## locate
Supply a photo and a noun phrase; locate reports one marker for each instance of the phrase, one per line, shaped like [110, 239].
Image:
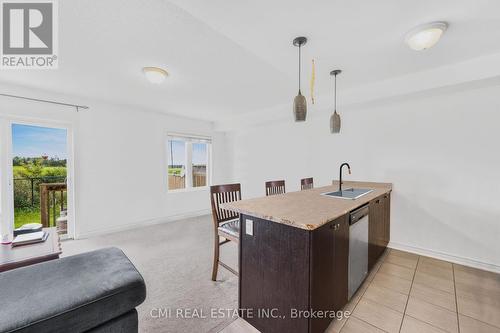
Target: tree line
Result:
[42, 161]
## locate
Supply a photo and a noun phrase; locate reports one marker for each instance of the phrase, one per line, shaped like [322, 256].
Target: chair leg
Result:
[216, 258]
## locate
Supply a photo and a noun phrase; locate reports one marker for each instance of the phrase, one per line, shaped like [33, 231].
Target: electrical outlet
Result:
[249, 227]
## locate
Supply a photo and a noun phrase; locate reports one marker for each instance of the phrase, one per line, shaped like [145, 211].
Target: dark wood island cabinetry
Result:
[287, 271]
[294, 256]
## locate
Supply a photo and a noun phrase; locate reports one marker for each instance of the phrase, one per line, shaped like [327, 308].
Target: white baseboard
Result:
[447, 257]
[141, 224]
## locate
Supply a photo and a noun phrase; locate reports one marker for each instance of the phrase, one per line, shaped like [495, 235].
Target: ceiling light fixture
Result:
[425, 36]
[299, 103]
[335, 118]
[155, 75]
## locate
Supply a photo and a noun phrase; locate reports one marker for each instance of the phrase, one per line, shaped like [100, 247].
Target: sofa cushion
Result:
[72, 294]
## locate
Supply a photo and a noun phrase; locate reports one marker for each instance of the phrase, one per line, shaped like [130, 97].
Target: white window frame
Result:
[189, 139]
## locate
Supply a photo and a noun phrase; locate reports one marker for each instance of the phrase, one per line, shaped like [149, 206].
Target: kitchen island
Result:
[294, 254]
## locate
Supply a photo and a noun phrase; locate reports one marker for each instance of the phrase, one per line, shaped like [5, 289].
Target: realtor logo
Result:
[29, 34]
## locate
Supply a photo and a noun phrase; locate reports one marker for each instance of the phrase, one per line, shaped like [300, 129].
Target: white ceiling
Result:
[231, 57]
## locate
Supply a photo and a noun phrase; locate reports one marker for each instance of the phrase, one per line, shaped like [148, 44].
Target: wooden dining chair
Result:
[275, 187]
[306, 184]
[226, 222]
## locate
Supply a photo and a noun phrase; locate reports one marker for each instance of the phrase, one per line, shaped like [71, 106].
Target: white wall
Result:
[440, 152]
[120, 162]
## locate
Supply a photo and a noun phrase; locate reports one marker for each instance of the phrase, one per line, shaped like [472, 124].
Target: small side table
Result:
[25, 255]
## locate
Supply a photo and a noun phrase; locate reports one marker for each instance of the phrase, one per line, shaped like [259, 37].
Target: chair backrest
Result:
[275, 187]
[306, 183]
[220, 194]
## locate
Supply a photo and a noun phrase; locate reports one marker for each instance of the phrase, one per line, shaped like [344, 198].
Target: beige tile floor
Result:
[409, 293]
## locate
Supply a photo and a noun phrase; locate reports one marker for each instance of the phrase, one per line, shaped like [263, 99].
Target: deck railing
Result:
[52, 197]
[26, 190]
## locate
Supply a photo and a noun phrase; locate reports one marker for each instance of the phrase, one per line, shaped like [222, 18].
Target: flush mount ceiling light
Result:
[299, 103]
[155, 75]
[425, 36]
[335, 118]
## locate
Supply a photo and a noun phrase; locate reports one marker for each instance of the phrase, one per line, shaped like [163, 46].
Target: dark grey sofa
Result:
[90, 292]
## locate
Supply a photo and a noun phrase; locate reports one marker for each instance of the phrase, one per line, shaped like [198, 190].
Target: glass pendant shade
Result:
[300, 107]
[335, 123]
[299, 102]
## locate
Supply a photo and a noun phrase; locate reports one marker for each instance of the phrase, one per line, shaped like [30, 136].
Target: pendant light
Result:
[299, 103]
[335, 118]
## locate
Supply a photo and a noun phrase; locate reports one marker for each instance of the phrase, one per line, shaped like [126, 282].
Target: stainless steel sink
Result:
[350, 193]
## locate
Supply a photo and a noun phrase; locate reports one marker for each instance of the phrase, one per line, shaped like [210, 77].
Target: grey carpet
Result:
[175, 259]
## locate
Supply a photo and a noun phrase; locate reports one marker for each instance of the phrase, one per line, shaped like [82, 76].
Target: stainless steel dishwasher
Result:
[358, 248]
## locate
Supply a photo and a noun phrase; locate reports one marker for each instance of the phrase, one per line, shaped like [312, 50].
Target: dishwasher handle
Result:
[358, 214]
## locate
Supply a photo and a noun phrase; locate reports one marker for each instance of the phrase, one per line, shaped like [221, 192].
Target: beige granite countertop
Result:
[307, 209]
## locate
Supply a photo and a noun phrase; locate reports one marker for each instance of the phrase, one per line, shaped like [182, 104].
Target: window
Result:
[177, 164]
[188, 162]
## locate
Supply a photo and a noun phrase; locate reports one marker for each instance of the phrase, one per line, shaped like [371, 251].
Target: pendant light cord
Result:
[335, 98]
[299, 65]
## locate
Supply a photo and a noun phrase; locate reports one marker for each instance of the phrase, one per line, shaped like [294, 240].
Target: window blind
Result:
[189, 138]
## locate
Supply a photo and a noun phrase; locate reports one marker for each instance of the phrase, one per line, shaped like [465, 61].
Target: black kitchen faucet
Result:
[340, 177]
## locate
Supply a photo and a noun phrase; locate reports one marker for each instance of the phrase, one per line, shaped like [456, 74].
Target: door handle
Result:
[335, 226]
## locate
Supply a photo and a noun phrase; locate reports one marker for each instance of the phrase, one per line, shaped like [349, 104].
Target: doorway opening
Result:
[39, 176]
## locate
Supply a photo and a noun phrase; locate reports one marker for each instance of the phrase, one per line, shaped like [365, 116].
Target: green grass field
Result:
[30, 215]
[26, 215]
[174, 171]
[19, 171]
